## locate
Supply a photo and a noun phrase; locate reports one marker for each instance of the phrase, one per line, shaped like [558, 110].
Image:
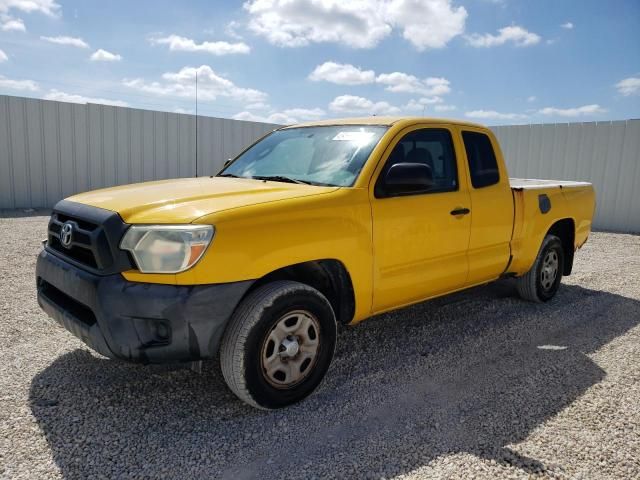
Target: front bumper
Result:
[137, 322]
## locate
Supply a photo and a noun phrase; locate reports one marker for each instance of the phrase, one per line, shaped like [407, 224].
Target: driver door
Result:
[420, 240]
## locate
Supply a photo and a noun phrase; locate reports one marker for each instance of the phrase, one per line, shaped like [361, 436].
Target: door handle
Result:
[460, 211]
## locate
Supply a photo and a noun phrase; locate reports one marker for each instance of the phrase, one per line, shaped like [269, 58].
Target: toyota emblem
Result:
[66, 234]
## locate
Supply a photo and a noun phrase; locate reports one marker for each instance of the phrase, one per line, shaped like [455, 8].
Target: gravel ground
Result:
[478, 385]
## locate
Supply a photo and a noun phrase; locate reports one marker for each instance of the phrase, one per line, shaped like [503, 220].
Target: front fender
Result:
[253, 241]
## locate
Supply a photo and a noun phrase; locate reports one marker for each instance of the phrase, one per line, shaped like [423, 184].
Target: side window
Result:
[432, 147]
[482, 159]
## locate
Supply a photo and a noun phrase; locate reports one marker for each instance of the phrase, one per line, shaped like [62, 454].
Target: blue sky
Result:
[491, 61]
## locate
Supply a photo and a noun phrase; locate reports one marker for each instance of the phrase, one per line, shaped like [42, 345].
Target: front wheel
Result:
[278, 344]
[541, 283]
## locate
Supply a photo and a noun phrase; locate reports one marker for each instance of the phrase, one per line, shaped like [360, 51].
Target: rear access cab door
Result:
[492, 208]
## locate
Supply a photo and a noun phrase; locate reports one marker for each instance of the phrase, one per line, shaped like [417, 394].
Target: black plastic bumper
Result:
[137, 322]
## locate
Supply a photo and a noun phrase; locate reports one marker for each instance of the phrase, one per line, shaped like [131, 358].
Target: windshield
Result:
[331, 155]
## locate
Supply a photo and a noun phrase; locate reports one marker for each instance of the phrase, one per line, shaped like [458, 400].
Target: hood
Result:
[184, 200]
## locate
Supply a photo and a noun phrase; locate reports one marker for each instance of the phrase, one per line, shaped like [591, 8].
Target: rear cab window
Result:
[483, 165]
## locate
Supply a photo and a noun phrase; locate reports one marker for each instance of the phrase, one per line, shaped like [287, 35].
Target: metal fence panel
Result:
[7, 194]
[606, 154]
[50, 150]
[18, 156]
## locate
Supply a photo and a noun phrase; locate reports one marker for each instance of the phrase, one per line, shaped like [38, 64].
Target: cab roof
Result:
[386, 121]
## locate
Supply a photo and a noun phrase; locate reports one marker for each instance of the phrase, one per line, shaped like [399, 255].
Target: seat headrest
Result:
[420, 155]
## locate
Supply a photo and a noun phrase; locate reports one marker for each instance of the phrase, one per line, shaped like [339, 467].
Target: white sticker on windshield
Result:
[353, 136]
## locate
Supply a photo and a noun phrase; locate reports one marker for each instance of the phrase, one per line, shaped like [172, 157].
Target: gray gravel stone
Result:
[476, 385]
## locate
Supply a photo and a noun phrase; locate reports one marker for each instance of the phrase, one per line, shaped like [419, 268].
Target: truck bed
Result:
[534, 184]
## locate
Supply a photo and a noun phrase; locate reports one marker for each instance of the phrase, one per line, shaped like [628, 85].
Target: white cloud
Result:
[101, 55]
[64, 40]
[444, 108]
[281, 118]
[305, 113]
[277, 117]
[573, 112]
[24, 85]
[519, 36]
[532, 98]
[258, 106]
[422, 103]
[252, 117]
[493, 115]
[210, 86]
[399, 82]
[342, 74]
[296, 23]
[427, 23]
[430, 100]
[357, 23]
[629, 86]
[47, 7]
[11, 24]
[182, 44]
[567, 26]
[361, 105]
[288, 116]
[232, 30]
[3, 56]
[73, 98]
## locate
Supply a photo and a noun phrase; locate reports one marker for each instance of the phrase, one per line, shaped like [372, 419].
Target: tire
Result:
[276, 330]
[540, 284]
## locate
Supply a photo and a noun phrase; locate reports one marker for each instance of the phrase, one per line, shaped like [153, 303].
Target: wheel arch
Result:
[565, 230]
[329, 276]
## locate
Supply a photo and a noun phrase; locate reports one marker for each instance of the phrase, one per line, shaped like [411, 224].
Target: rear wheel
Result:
[541, 283]
[278, 345]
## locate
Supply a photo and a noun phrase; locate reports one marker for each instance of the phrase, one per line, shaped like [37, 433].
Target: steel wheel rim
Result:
[549, 271]
[290, 349]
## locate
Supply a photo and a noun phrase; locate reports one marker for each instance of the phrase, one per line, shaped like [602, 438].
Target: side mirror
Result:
[407, 178]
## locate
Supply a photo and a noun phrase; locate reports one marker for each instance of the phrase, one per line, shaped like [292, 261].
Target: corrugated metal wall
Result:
[50, 150]
[606, 154]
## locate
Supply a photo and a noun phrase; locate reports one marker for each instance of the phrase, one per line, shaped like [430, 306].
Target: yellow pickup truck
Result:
[311, 226]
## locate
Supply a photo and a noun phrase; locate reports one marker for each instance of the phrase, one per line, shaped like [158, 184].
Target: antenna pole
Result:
[196, 122]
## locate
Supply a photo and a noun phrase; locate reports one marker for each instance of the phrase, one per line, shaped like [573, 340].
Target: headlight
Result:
[166, 248]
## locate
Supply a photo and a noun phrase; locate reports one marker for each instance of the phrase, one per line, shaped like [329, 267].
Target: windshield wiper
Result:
[275, 178]
[281, 178]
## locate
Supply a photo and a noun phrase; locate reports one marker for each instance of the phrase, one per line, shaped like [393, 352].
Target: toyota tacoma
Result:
[312, 226]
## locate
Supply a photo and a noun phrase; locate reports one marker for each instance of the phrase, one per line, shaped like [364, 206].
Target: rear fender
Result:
[539, 212]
